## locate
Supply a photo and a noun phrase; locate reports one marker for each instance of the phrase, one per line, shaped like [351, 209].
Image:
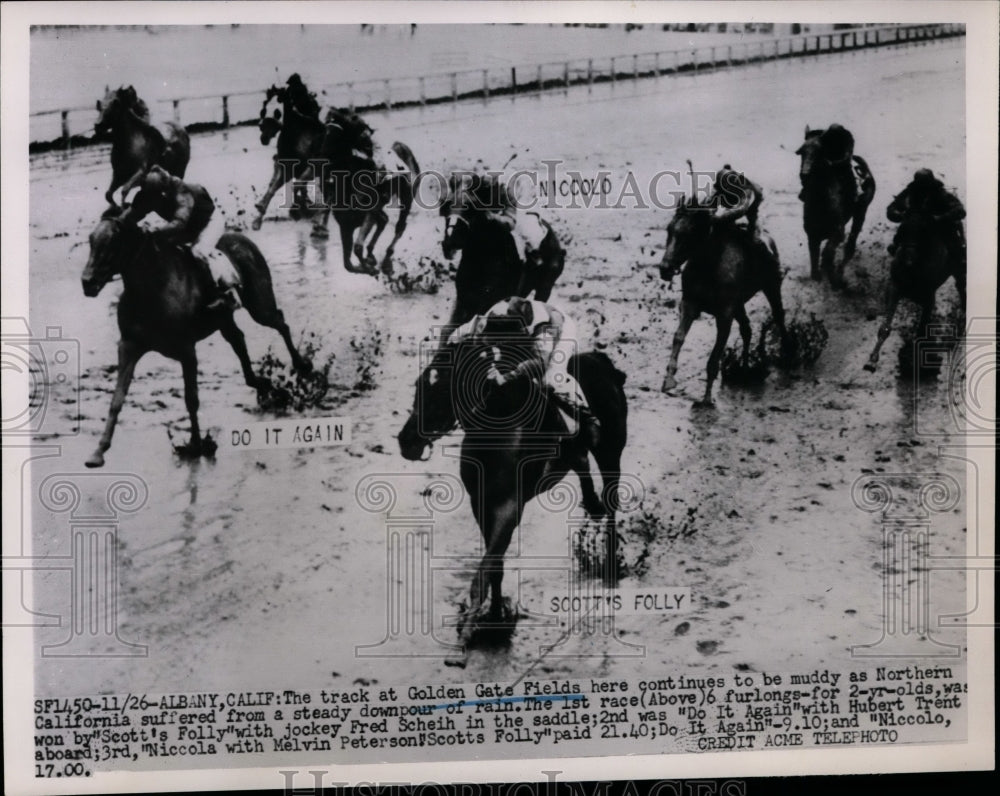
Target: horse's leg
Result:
[688, 315]
[814, 271]
[834, 273]
[278, 179]
[745, 332]
[128, 355]
[109, 195]
[501, 523]
[405, 204]
[189, 363]
[891, 301]
[723, 325]
[273, 318]
[772, 292]
[591, 502]
[346, 239]
[366, 259]
[852, 239]
[231, 332]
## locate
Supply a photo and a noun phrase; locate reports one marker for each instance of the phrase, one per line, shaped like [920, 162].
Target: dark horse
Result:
[725, 269]
[831, 198]
[350, 185]
[357, 194]
[516, 446]
[163, 308]
[300, 146]
[491, 269]
[137, 145]
[920, 266]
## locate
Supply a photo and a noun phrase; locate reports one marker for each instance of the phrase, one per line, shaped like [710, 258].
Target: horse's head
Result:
[433, 413]
[269, 126]
[689, 227]
[810, 153]
[117, 102]
[110, 109]
[104, 260]
[469, 197]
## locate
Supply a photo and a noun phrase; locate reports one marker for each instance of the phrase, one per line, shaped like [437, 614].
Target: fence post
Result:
[590, 71]
[454, 87]
[635, 66]
[423, 91]
[729, 55]
[656, 63]
[513, 79]
[225, 111]
[177, 111]
[612, 69]
[566, 74]
[388, 95]
[539, 77]
[486, 83]
[65, 127]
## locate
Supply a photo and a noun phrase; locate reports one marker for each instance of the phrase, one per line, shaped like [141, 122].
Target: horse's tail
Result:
[256, 289]
[405, 154]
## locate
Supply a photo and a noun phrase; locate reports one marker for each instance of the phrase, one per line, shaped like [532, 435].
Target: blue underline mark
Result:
[499, 700]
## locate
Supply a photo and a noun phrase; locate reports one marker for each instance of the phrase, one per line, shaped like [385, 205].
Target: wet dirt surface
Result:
[259, 569]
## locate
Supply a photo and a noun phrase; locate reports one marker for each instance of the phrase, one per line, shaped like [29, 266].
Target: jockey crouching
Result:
[735, 197]
[527, 229]
[927, 194]
[188, 210]
[555, 338]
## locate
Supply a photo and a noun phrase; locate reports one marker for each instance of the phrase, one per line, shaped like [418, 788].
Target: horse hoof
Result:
[97, 460]
[255, 224]
[704, 403]
[457, 661]
[320, 232]
[870, 367]
[669, 383]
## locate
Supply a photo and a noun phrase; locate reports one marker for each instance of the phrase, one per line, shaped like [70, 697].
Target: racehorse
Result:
[137, 145]
[831, 198]
[491, 268]
[350, 185]
[395, 187]
[516, 446]
[164, 308]
[920, 265]
[357, 194]
[300, 145]
[725, 269]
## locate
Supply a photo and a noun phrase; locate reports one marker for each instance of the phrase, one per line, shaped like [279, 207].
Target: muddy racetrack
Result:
[261, 570]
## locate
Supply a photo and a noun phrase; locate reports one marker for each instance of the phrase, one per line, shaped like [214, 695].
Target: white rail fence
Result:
[64, 128]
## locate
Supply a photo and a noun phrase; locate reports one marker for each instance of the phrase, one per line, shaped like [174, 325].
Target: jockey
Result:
[734, 197]
[927, 194]
[490, 194]
[555, 338]
[300, 98]
[347, 124]
[837, 146]
[188, 211]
